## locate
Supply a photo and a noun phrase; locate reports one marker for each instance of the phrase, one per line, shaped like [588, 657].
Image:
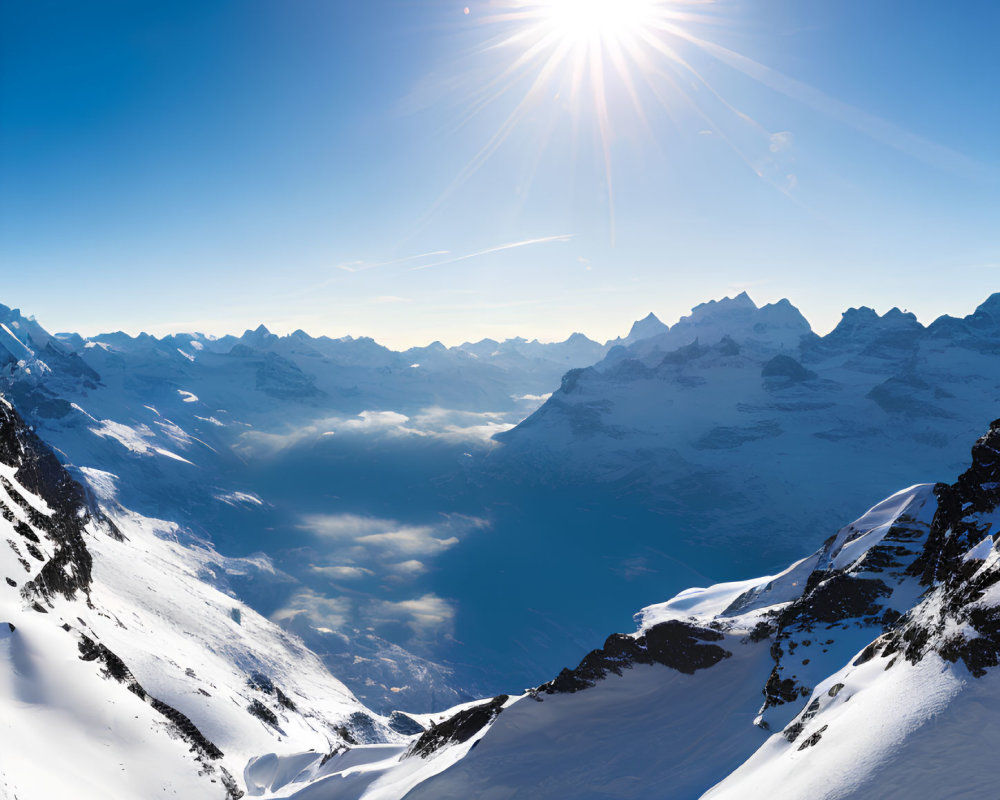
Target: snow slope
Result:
[123, 671]
[876, 658]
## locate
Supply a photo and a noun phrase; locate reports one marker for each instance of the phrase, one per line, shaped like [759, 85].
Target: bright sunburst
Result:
[580, 56]
[590, 21]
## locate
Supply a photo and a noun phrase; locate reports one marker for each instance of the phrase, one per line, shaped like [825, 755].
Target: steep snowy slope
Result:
[123, 672]
[868, 669]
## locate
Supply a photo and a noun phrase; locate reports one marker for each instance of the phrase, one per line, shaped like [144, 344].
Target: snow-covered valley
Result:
[365, 506]
[240, 586]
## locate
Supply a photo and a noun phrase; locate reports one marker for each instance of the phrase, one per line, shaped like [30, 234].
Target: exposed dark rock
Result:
[957, 584]
[406, 725]
[674, 644]
[459, 728]
[835, 599]
[780, 690]
[782, 366]
[813, 740]
[684, 355]
[334, 752]
[115, 668]
[762, 630]
[233, 790]
[261, 682]
[908, 395]
[68, 570]
[364, 729]
[284, 700]
[263, 713]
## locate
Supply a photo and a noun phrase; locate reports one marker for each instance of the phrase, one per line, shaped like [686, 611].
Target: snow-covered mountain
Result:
[725, 412]
[867, 669]
[126, 669]
[382, 530]
[226, 437]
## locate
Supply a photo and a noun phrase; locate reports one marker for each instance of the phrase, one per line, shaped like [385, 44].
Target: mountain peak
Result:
[649, 325]
[990, 306]
[740, 302]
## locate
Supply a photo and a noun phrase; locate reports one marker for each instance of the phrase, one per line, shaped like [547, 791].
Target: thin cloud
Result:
[427, 616]
[323, 612]
[497, 249]
[361, 266]
[343, 572]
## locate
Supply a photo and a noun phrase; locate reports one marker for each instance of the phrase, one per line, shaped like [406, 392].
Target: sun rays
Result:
[603, 62]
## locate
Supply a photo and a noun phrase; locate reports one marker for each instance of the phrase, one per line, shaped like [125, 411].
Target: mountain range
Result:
[379, 509]
[865, 669]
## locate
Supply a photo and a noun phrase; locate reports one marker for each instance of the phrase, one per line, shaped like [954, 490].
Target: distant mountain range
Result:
[405, 534]
[717, 446]
[727, 411]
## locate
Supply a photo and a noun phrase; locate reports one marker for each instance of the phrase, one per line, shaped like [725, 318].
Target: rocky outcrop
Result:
[678, 645]
[67, 570]
[459, 728]
[959, 618]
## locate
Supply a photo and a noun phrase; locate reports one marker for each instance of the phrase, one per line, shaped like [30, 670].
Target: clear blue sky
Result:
[213, 165]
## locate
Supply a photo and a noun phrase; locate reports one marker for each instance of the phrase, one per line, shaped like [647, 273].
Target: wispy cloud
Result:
[324, 612]
[342, 572]
[497, 249]
[351, 540]
[426, 616]
[361, 266]
[476, 427]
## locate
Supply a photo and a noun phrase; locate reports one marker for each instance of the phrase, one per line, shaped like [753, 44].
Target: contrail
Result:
[361, 266]
[497, 249]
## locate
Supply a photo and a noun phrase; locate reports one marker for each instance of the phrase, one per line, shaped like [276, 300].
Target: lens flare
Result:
[581, 56]
[590, 21]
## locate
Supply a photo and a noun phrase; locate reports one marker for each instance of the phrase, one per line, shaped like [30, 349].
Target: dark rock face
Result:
[907, 395]
[957, 585]
[813, 740]
[678, 645]
[115, 669]
[263, 713]
[837, 602]
[262, 683]
[406, 725]
[281, 378]
[786, 367]
[835, 599]
[459, 728]
[685, 354]
[68, 570]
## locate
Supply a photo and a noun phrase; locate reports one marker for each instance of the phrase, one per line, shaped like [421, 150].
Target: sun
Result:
[621, 68]
[589, 22]
[580, 56]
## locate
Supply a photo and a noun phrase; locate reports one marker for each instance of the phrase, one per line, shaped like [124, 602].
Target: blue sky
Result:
[214, 165]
